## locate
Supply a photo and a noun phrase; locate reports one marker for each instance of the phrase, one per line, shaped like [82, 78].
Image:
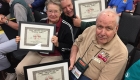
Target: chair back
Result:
[129, 27]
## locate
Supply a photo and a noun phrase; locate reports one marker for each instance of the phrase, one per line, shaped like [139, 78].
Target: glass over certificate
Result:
[88, 10]
[49, 74]
[57, 70]
[36, 36]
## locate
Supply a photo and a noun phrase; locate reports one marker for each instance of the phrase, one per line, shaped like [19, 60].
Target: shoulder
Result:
[90, 29]
[18, 5]
[66, 23]
[120, 46]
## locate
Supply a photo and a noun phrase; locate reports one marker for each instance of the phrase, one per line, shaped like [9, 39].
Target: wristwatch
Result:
[6, 22]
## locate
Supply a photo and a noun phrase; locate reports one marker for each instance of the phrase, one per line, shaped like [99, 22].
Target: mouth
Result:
[101, 38]
[70, 13]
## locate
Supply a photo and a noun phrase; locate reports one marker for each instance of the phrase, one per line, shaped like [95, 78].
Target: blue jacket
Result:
[121, 5]
[38, 5]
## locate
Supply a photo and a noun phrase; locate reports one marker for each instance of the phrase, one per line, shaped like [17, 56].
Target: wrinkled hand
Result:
[17, 39]
[77, 21]
[55, 41]
[71, 64]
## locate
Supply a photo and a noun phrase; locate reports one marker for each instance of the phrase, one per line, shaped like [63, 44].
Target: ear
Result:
[116, 29]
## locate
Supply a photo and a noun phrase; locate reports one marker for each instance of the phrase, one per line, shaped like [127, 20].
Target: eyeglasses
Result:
[51, 11]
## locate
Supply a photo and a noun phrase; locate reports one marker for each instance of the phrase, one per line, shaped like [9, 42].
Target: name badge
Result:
[97, 60]
[76, 72]
[79, 68]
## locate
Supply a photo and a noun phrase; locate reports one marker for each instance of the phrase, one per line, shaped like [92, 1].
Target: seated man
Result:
[99, 50]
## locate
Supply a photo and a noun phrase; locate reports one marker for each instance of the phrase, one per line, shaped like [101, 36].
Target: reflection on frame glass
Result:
[88, 10]
[48, 71]
[49, 74]
[36, 36]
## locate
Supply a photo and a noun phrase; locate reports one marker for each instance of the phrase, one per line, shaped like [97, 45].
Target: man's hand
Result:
[55, 41]
[72, 61]
[77, 21]
[73, 54]
[2, 19]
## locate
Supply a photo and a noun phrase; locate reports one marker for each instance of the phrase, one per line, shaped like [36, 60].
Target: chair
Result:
[128, 32]
[129, 28]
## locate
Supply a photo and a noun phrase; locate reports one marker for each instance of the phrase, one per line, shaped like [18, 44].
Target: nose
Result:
[103, 31]
[52, 13]
[67, 8]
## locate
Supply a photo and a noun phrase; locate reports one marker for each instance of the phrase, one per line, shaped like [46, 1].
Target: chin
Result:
[70, 14]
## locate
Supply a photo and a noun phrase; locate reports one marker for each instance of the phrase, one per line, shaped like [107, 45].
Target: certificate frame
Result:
[36, 36]
[57, 70]
[88, 10]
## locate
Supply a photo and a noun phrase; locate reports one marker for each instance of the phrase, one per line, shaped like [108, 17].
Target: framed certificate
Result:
[48, 71]
[88, 10]
[36, 36]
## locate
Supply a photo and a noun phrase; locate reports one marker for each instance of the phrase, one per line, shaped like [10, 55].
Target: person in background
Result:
[37, 5]
[68, 15]
[99, 51]
[121, 5]
[3, 10]
[19, 10]
[62, 41]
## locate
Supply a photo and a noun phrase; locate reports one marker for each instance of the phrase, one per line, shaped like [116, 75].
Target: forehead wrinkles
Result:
[107, 17]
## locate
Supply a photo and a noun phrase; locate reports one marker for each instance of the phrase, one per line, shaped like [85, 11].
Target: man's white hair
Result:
[110, 10]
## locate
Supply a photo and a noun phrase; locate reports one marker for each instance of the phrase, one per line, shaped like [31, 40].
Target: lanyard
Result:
[88, 49]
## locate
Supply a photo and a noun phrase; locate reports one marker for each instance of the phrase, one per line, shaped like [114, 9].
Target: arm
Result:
[3, 20]
[73, 54]
[78, 23]
[75, 47]
[20, 15]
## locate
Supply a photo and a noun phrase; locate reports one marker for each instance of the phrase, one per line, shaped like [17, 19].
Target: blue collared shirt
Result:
[121, 5]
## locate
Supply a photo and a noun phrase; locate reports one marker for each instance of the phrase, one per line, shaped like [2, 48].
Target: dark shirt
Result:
[76, 30]
[4, 8]
[56, 52]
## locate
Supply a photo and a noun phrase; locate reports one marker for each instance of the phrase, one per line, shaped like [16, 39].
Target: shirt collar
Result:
[58, 24]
